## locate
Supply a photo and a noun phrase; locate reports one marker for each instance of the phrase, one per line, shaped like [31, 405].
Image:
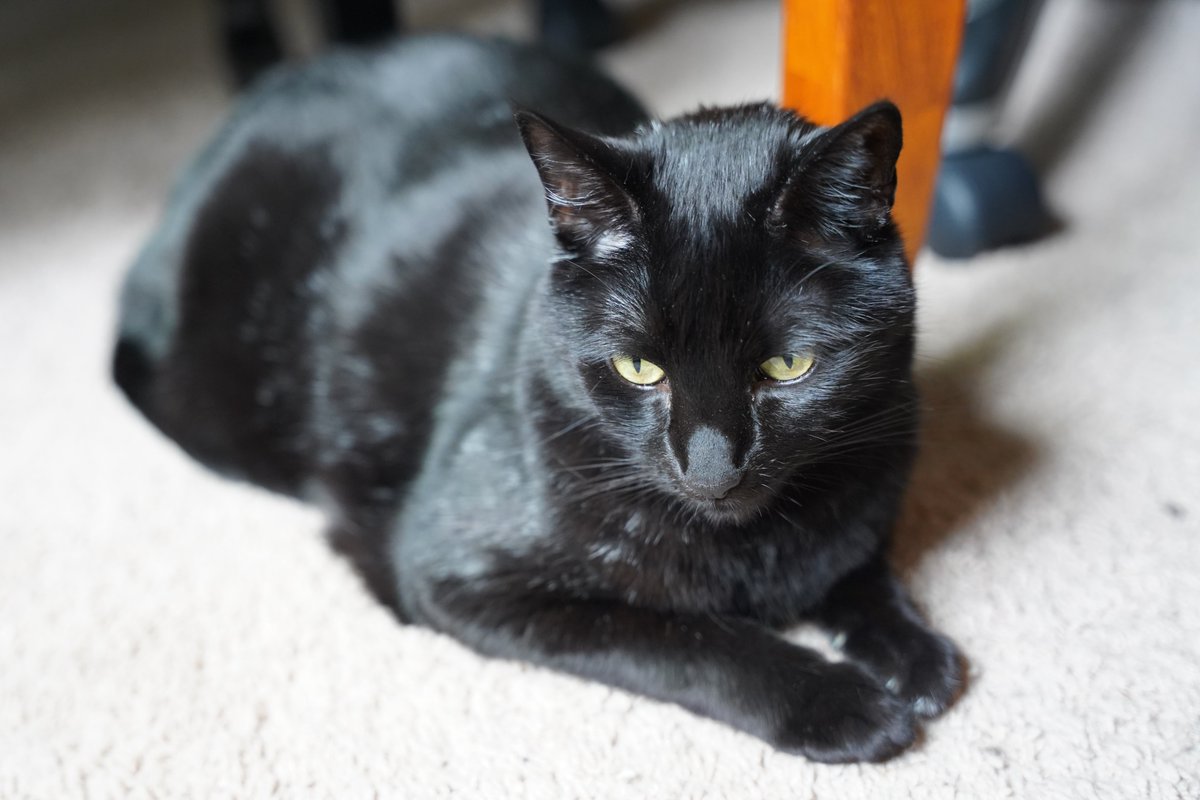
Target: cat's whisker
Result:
[608, 485]
[582, 422]
[608, 464]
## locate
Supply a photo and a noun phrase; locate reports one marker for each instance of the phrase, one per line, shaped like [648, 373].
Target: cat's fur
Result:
[355, 297]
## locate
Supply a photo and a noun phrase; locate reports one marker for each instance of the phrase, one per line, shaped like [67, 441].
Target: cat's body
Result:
[355, 297]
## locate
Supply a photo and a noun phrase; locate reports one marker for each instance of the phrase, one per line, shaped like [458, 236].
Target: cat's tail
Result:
[132, 370]
[148, 311]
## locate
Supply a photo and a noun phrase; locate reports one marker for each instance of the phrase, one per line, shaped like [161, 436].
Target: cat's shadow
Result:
[967, 459]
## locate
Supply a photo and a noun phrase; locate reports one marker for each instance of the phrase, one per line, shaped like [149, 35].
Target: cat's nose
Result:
[710, 471]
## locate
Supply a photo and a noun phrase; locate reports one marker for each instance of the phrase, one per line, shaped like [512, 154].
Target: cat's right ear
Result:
[590, 211]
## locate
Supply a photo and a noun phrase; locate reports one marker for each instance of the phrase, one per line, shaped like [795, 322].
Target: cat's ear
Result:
[846, 182]
[590, 211]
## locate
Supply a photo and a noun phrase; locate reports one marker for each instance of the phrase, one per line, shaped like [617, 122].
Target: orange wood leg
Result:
[841, 55]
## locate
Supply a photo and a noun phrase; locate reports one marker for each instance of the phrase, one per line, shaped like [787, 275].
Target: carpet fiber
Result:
[164, 633]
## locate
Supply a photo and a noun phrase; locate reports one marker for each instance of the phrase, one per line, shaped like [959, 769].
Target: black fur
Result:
[356, 297]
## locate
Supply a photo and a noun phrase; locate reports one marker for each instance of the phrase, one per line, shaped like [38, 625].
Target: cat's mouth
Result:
[738, 505]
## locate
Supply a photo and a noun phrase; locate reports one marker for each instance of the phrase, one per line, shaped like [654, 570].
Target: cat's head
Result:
[730, 307]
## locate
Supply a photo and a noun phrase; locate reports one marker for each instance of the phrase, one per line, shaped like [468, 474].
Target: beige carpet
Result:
[166, 634]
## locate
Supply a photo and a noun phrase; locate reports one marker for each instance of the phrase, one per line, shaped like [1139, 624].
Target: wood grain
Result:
[841, 55]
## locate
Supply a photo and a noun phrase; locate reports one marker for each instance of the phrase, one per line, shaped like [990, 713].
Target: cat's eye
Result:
[638, 371]
[788, 367]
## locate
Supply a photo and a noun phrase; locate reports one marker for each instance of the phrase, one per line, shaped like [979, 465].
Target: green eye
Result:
[638, 371]
[790, 367]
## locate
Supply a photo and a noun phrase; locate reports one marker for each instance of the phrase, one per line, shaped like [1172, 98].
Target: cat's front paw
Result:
[922, 668]
[844, 716]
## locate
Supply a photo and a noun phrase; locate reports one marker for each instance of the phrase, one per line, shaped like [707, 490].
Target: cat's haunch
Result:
[620, 397]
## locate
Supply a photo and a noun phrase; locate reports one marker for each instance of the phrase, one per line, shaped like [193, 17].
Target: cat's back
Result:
[392, 116]
[317, 262]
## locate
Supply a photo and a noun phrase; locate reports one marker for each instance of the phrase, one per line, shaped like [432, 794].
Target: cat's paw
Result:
[846, 716]
[922, 668]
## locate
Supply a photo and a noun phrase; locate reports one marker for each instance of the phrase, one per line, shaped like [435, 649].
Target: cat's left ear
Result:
[847, 181]
[590, 211]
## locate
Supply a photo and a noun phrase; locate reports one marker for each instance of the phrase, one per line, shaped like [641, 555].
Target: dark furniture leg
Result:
[359, 21]
[249, 39]
[577, 26]
[986, 196]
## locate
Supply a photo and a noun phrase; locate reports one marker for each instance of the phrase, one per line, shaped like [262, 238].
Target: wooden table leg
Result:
[841, 55]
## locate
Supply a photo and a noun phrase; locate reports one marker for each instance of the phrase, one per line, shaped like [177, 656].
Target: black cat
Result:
[631, 444]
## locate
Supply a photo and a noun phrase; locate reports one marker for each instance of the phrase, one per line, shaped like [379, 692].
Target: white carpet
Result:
[167, 634]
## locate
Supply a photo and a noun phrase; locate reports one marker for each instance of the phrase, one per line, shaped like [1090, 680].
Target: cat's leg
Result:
[876, 625]
[724, 668]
